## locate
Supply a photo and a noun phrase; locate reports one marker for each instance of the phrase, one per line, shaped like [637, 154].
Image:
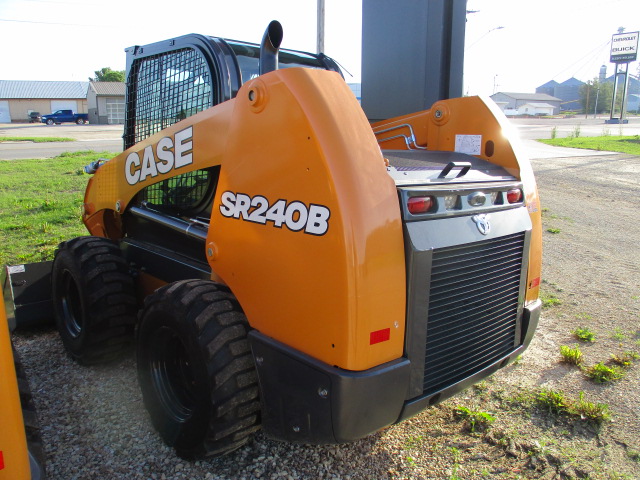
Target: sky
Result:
[540, 40]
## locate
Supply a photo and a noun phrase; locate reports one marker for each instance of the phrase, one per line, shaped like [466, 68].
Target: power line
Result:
[589, 54]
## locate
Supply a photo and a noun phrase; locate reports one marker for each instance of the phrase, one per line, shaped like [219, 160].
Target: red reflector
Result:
[534, 283]
[417, 205]
[1, 461]
[380, 336]
[514, 195]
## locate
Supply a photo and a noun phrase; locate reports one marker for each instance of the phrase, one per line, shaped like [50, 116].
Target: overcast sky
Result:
[540, 40]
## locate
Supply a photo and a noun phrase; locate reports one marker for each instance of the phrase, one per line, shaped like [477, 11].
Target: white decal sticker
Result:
[313, 220]
[159, 158]
[469, 144]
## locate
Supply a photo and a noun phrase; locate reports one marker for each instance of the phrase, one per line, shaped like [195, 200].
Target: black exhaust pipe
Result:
[269, 47]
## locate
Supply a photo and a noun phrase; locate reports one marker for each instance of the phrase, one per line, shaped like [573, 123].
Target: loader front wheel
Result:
[94, 299]
[196, 370]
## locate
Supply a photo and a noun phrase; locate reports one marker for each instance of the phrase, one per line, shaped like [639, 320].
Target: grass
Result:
[553, 401]
[609, 143]
[40, 205]
[570, 355]
[601, 373]
[553, 230]
[625, 359]
[549, 300]
[558, 403]
[474, 419]
[585, 334]
[36, 139]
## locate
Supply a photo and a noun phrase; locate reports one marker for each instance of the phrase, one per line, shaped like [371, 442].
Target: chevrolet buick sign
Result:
[624, 47]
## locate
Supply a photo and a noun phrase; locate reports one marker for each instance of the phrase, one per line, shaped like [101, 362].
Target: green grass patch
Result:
[600, 373]
[40, 205]
[553, 230]
[609, 143]
[475, 420]
[557, 403]
[549, 300]
[585, 334]
[571, 355]
[625, 359]
[36, 139]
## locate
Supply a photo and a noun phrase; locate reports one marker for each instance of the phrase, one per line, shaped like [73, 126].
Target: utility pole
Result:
[586, 107]
[320, 30]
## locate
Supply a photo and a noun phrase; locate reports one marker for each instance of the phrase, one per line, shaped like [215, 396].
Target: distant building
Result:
[548, 88]
[511, 102]
[535, 108]
[568, 92]
[106, 103]
[18, 98]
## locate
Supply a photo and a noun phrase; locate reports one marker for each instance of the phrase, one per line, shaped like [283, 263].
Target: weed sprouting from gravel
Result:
[475, 419]
[571, 355]
[553, 230]
[600, 373]
[625, 359]
[585, 334]
[618, 334]
[553, 401]
[549, 300]
[558, 403]
[595, 412]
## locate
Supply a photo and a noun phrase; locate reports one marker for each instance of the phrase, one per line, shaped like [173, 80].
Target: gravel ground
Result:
[94, 424]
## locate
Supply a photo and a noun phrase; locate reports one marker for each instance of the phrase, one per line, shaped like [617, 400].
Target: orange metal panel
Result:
[13, 442]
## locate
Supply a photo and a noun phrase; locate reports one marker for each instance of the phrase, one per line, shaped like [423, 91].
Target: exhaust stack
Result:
[269, 47]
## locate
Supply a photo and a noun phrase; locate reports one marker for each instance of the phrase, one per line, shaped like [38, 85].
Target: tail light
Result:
[417, 205]
[514, 195]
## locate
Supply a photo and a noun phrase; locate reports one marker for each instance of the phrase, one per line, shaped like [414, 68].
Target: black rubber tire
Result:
[50, 122]
[80, 121]
[94, 299]
[37, 457]
[195, 369]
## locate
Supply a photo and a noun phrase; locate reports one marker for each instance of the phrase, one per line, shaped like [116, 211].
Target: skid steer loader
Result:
[287, 265]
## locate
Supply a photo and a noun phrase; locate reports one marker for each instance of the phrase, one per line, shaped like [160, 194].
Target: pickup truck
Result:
[60, 116]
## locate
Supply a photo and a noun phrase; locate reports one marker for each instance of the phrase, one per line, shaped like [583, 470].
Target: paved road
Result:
[108, 138]
[101, 138]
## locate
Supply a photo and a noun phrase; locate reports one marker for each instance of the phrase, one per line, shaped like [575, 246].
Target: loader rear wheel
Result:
[94, 299]
[196, 370]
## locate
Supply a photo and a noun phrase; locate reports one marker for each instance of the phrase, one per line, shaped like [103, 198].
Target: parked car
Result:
[62, 116]
[35, 117]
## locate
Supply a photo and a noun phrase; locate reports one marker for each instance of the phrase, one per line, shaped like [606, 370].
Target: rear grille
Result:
[473, 308]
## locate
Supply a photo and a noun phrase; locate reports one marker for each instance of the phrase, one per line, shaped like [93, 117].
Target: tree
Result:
[107, 75]
[594, 89]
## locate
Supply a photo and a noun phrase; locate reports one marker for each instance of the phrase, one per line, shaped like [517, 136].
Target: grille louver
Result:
[473, 308]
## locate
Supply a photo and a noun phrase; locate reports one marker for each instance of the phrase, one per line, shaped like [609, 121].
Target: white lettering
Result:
[164, 161]
[132, 174]
[314, 220]
[165, 155]
[228, 206]
[148, 164]
[184, 146]
[318, 223]
[296, 216]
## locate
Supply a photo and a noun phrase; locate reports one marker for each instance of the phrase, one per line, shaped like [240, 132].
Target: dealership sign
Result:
[624, 47]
